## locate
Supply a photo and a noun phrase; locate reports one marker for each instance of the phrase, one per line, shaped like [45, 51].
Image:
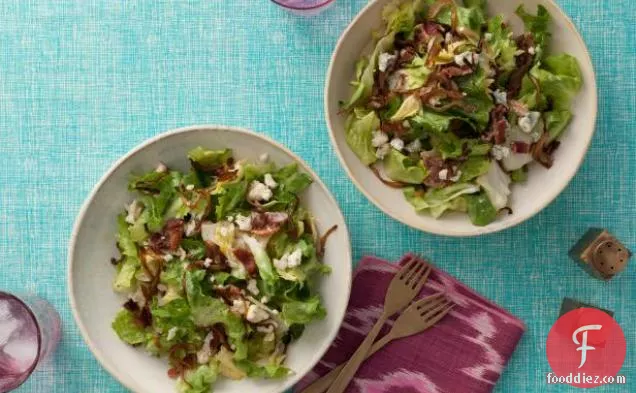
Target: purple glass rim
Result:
[32, 367]
[313, 7]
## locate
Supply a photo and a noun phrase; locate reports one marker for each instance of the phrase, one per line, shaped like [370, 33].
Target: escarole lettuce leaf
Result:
[127, 328]
[359, 134]
[303, 312]
[559, 78]
[402, 168]
[480, 210]
[438, 200]
[538, 25]
[157, 192]
[364, 84]
[500, 43]
[130, 264]
[208, 160]
[199, 380]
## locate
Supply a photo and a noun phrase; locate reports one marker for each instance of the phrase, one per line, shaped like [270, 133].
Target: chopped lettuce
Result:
[364, 84]
[560, 79]
[229, 196]
[556, 121]
[208, 160]
[496, 184]
[303, 312]
[268, 371]
[400, 16]
[410, 106]
[411, 77]
[199, 380]
[477, 111]
[473, 167]
[158, 189]
[519, 175]
[128, 329]
[359, 133]
[480, 210]
[501, 44]
[402, 168]
[130, 264]
[538, 25]
[265, 268]
[228, 365]
[436, 201]
[470, 17]
[291, 180]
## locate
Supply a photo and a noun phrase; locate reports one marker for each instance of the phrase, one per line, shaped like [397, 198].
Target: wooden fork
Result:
[418, 317]
[406, 284]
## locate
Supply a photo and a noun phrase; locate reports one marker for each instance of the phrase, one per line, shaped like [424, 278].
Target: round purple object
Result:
[304, 7]
[29, 332]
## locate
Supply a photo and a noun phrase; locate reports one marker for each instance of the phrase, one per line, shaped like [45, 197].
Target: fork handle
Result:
[323, 383]
[352, 366]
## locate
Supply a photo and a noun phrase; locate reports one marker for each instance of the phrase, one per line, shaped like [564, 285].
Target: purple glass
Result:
[304, 7]
[30, 329]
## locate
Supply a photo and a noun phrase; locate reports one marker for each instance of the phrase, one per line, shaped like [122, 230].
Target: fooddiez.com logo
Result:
[586, 348]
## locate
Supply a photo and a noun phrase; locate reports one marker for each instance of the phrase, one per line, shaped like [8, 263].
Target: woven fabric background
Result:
[84, 81]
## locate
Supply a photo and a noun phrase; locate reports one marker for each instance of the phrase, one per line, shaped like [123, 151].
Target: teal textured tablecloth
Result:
[84, 81]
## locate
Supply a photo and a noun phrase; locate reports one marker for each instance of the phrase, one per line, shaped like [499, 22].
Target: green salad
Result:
[219, 266]
[452, 107]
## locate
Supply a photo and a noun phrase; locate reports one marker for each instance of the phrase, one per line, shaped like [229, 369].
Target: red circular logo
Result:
[586, 348]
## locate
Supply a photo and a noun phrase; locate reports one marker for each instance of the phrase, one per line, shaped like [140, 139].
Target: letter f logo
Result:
[584, 347]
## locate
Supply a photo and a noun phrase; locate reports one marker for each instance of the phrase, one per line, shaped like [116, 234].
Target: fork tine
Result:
[419, 281]
[430, 311]
[414, 273]
[439, 316]
[424, 308]
[423, 301]
[407, 268]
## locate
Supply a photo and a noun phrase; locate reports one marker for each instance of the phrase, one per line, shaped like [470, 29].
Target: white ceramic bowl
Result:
[90, 273]
[528, 199]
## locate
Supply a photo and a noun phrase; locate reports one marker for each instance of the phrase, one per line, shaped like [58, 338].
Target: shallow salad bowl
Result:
[542, 187]
[90, 274]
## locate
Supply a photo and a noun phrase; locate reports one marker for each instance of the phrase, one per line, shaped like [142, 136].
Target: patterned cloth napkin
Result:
[465, 352]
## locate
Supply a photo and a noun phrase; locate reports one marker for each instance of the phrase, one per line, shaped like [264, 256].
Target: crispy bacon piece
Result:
[227, 172]
[406, 55]
[131, 306]
[169, 237]
[219, 261]
[453, 71]
[145, 317]
[180, 360]
[435, 164]
[219, 337]
[520, 147]
[247, 259]
[174, 373]
[395, 129]
[425, 32]
[498, 125]
[268, 223]
[229, 293]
